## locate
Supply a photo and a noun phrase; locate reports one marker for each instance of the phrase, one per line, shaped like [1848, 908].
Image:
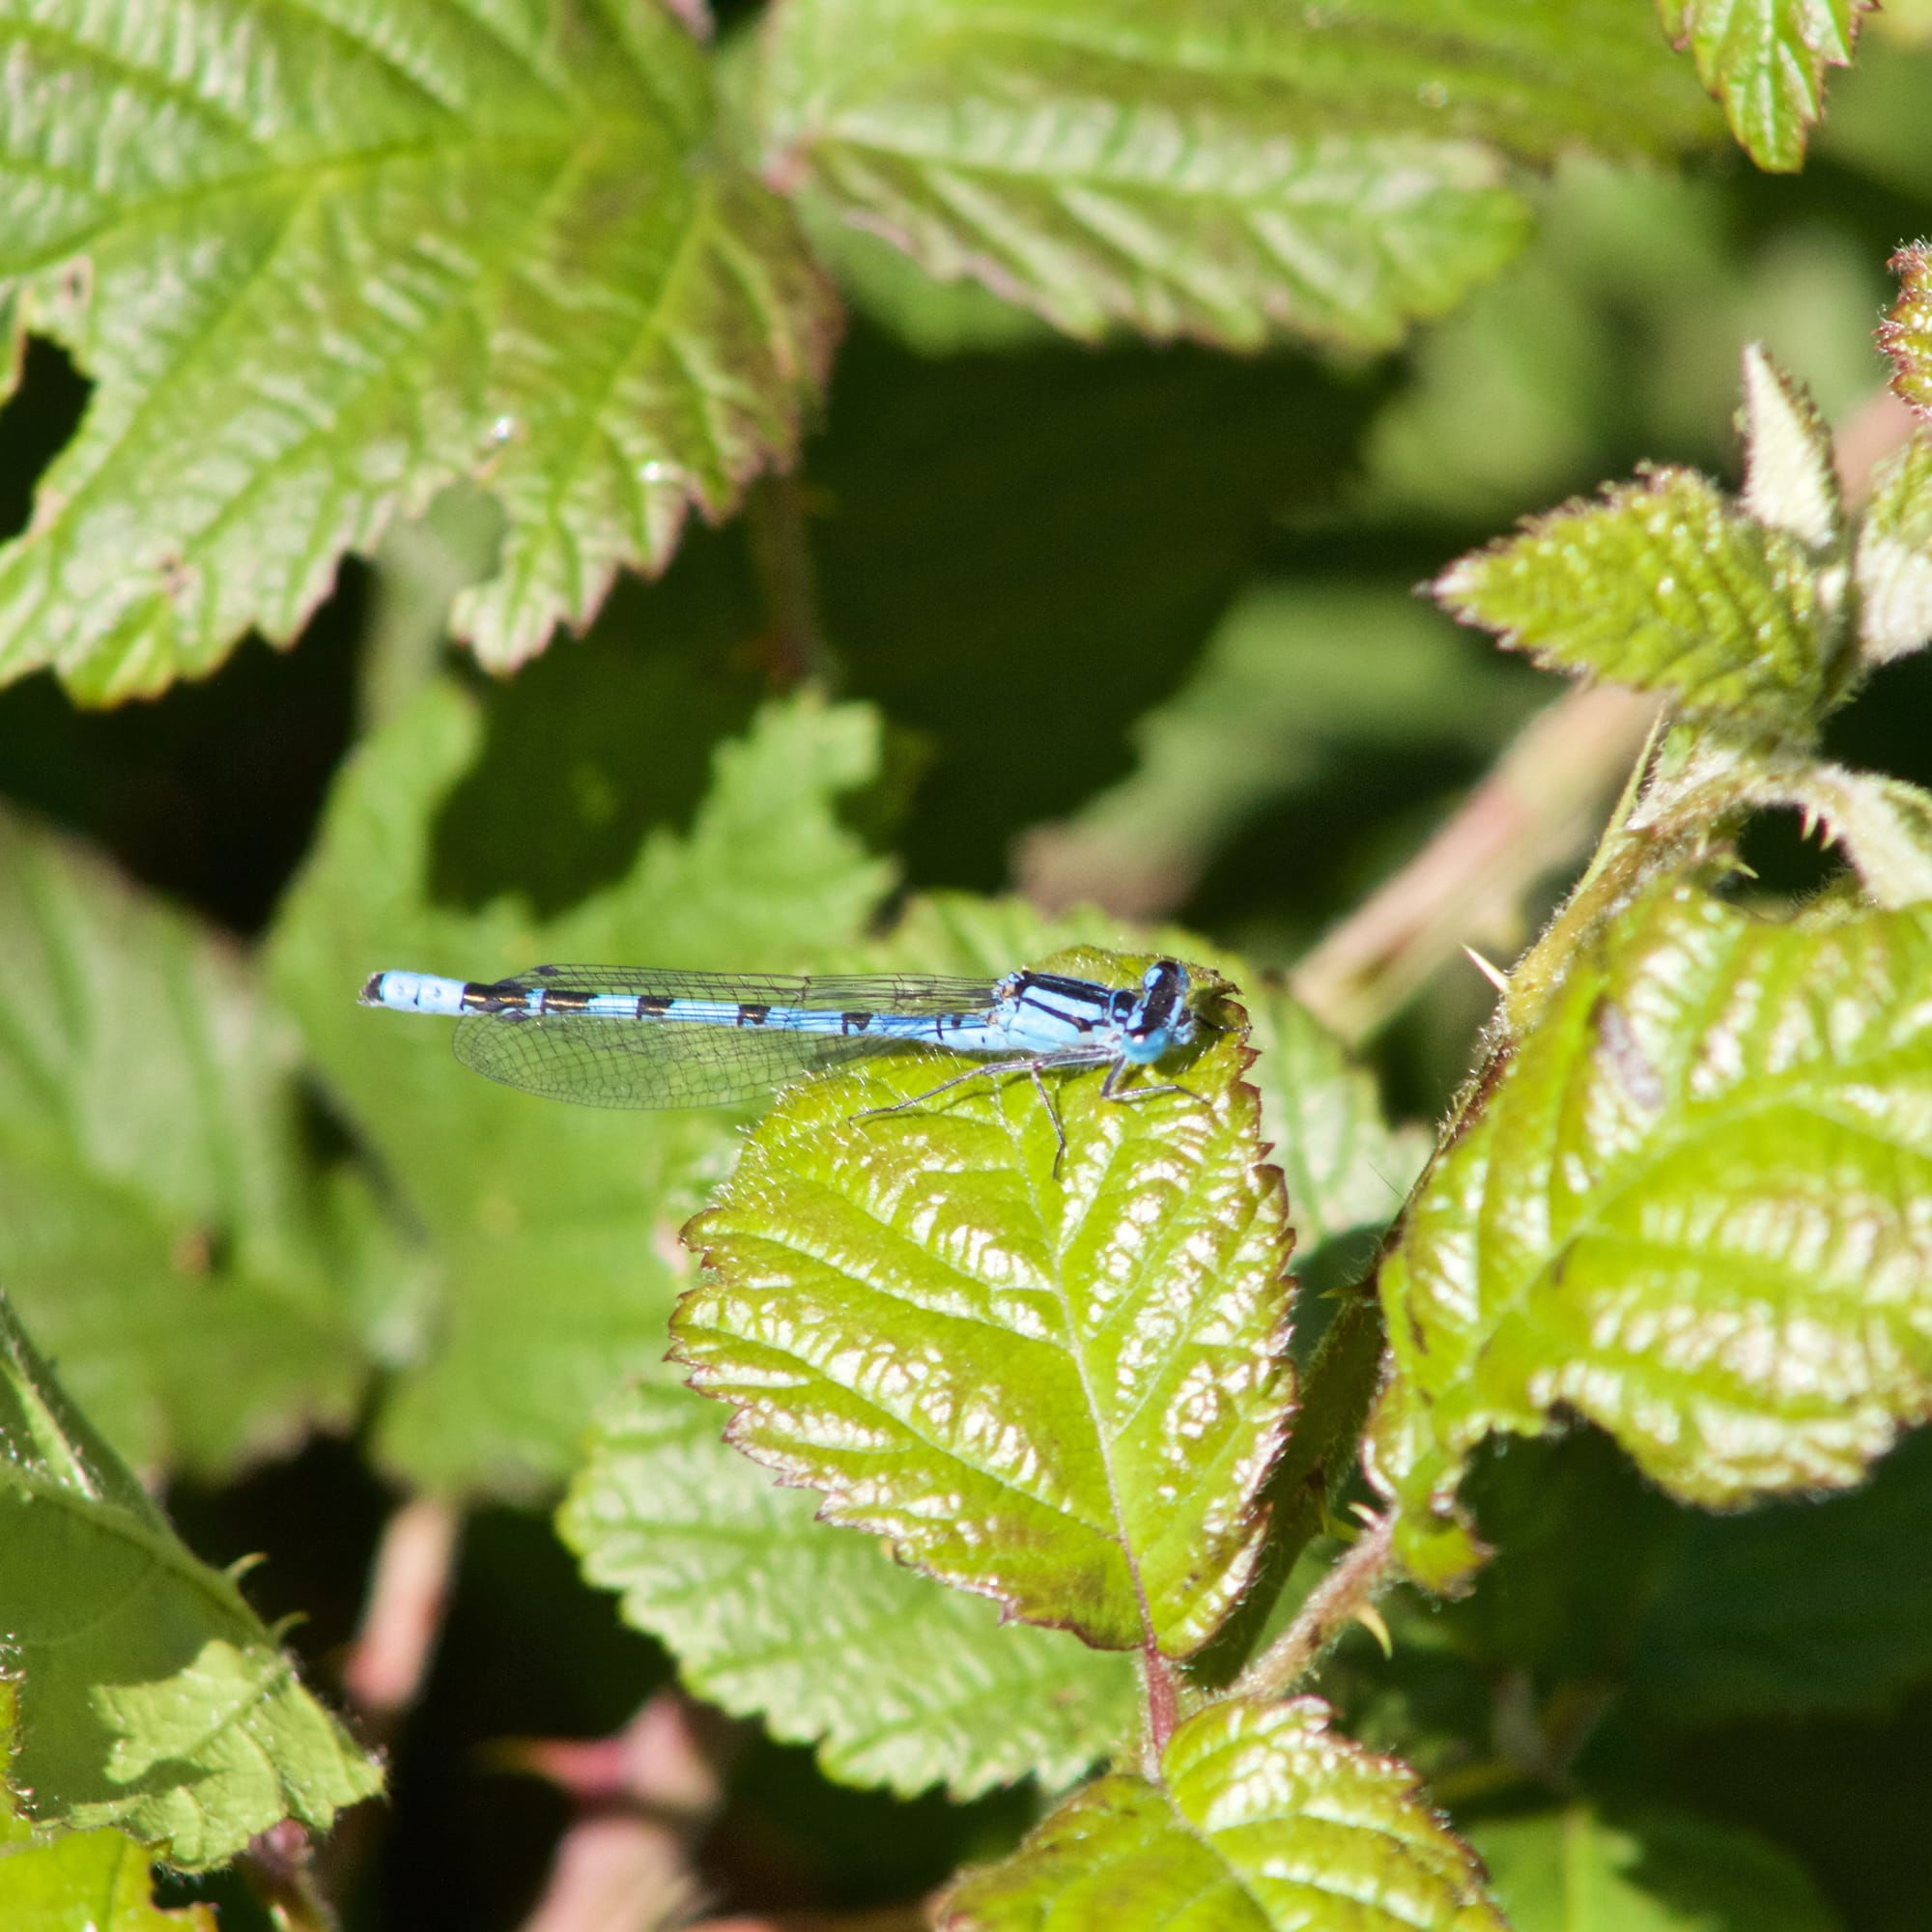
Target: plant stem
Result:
[403, 1618]
[795, 647]
[1535, 812]
[1319, 1457]
[1162, 1704]
[1348, 1589]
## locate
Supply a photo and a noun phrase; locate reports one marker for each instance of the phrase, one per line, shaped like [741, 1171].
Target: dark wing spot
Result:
[547, 972]
[854, 1022]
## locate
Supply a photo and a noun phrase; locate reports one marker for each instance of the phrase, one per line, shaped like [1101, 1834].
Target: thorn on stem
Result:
[1491, 972]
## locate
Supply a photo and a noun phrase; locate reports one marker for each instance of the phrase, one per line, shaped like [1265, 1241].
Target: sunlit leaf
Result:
[1790, 482]
[1061, 1389]
[149, 1697]
[79, 1880]
[1693, 1209]
[1764, 59]
[549, 1257]
[1566, 1870]
[1263, 1821]
[1228, 171]
[159, 1223]
[1894, 566]
[1661, 584]
[901, 1681]
[320, 263]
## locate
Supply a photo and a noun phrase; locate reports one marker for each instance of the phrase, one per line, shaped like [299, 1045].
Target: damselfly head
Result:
[1162, 1018]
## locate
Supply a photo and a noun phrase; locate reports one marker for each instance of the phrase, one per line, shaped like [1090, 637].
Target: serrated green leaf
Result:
[159, 1224]
[1228, 171]
[1346, 1170]
[320, 263]
[898, 1680]
[1573, 1871]
[1693, 1210]
[80, 1881]
[1062, 1390]
[1764, 59]
[1263, 1821]
[1883, 824]
[1893, 565]
[1906, 333]
[550, 1256]
[1790, 481]
[1815, 1605]
[1662, 585]
[151, 1697]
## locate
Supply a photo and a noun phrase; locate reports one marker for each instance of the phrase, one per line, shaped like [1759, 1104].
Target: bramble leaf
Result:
[149, 1697]
[1790, 481]
[1060, 1389]
[1693, 1209]
[1885, 824]
[160, 1226]
[101, 1881]
[1663, 586]
[1764, 59]
[1658, 1872]
[549, 1258]
[1894, 562]
[900, 1681]
[321, 262]
[1230, 172]
[1263, 1821]
[1906, 333]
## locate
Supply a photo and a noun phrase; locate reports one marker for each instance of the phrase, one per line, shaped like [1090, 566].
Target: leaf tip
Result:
[1790, 482]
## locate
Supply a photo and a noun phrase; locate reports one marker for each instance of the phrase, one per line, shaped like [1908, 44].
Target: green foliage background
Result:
[1107, 595]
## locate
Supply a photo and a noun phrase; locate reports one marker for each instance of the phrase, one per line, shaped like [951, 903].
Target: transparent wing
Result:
[916, 993]
[668, 1062]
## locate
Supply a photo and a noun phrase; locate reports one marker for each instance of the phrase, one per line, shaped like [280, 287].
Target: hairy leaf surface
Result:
[1764, 59]
[1062, 1390]
[1263, 1821]
[1663, 586]
[900, 1681]
[322, 261]
[149, 1697]
[1228, 171]
[1698, 1209]
[1894, 566]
